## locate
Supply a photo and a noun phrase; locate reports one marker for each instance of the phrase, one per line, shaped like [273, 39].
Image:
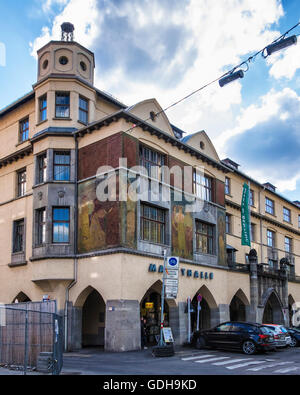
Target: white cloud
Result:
[217, 34]
[48, 4]
[86, 19]
[286, 63]
[266, 140]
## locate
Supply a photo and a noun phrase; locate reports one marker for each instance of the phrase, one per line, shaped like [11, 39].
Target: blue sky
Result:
[166, 49]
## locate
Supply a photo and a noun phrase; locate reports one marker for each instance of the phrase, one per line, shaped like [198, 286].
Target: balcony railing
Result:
[239, 267]
[293, 278]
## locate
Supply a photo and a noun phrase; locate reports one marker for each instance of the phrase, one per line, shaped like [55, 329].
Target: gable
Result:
[201, 142]
[143, 110]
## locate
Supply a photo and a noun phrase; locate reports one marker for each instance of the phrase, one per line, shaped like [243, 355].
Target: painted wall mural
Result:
[98, 222]
[182, 230]
[221, 238]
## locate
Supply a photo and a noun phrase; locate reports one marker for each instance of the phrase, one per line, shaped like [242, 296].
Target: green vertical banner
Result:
[245, 218]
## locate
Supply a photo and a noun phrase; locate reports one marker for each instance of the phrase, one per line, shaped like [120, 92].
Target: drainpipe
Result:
[261, 226]
[75, 244]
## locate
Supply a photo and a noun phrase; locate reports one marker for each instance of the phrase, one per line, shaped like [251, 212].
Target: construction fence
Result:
[31, 337]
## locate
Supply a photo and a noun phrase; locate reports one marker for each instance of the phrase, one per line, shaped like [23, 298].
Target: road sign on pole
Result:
[199, 298]
[171, 277]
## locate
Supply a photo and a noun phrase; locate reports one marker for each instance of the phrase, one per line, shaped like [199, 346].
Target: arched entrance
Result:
[151, 312]
[21, 298]
[93, 318]
[207, 304]
[273, 310]
[237, 307]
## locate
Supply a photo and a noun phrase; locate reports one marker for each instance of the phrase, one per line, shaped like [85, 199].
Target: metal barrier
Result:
[31, 340]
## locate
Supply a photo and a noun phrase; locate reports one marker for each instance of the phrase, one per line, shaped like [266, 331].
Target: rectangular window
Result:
[251, 198]
[153, 224]
[204, 238]
[270, 238]
[152, 161]
[272, 264]
[61, 225]
[61, 166]
[202, 186]
[62, 105]
[298, 221]
[24, 130]
[270, 206]
[21, 179]
[83, 110]
[43, 108]
[227, 186]
[228, 223]
[288, 244]
[286, 214]
[41, 168]
[252, 228]
[18, 236]
[41, 226]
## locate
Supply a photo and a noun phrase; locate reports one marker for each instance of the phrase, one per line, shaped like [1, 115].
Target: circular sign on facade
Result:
[173, 262]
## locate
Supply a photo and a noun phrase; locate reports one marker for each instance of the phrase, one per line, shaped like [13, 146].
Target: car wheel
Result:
[249, 347]
[293, 342]
[200, 343]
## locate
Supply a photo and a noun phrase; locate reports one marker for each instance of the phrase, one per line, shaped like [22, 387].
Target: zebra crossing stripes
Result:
[271, 365]
[245, 364]
[197, 357]
[231, 361]
[212, 359]
[287, 370]
[242, 365]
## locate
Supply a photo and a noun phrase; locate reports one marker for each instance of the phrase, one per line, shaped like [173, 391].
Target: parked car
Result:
[245, 336]
[295, 336]
[282, 337]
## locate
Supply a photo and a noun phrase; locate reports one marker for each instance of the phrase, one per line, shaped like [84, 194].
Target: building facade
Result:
[63, 146]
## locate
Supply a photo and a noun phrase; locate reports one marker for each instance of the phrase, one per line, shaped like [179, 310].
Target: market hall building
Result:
[102, 260]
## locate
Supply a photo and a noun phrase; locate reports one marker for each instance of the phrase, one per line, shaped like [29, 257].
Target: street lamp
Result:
[284, 43]
[231, 77]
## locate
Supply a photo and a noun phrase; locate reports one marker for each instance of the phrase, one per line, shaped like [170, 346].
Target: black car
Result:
[245, 336]
[295, 336]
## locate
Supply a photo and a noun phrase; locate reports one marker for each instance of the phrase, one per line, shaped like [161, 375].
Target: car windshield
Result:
[266, 331]
[282, 328]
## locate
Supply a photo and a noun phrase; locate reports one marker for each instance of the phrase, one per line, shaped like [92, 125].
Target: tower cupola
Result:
[66, 58]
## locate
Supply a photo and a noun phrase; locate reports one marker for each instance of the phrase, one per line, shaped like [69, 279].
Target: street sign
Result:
[171, 277]
[199, 297]
[172, 262]
[171, 273]
[171, 281]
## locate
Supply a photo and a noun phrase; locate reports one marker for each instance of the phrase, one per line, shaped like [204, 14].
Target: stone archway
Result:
[150, 308]
[21, 298]
[239, 307]
[92, 323]
[273, 311]
[208, 309]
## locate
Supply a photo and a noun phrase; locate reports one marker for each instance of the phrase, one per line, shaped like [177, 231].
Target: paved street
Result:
[186, 361]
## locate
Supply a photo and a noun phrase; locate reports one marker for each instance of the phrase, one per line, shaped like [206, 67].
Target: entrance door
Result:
[150, 312]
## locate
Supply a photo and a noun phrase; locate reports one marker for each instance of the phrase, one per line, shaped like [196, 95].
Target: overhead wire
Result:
[245, 62]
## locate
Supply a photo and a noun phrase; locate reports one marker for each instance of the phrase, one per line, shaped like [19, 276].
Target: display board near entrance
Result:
[168, 335]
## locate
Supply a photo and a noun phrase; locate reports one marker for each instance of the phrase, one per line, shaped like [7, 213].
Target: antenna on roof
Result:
[67, 31]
